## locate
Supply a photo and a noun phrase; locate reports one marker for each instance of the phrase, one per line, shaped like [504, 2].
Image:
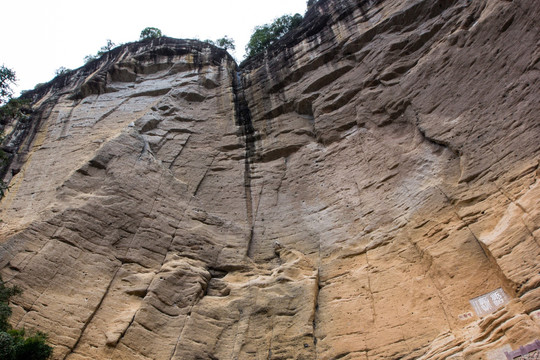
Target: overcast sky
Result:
[39, 36]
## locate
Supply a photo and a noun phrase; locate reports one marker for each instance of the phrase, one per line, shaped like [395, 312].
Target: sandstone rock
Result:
[344, 195]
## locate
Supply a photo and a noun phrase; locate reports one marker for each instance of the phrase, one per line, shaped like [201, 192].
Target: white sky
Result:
[39, 36]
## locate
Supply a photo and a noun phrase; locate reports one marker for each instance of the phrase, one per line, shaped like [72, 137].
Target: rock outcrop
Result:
[365, 189]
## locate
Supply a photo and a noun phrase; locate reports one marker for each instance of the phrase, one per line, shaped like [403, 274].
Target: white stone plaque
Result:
[488, 303]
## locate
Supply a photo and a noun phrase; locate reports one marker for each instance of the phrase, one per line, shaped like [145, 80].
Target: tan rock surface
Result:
[342, 196]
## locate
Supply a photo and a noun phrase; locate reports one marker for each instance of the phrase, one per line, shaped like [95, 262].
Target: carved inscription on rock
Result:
[488, 303]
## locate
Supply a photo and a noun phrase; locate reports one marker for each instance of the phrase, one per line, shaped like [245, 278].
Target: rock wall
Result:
[365, 189]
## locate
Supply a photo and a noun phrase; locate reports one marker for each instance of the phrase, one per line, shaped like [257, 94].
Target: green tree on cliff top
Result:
[7, 79]
[9, 108]
[267, 34]
[150, 33]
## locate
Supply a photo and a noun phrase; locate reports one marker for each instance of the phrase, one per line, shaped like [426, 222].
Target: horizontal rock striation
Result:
[366, 188]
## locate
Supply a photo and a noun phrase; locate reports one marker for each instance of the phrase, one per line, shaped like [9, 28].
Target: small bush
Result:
[17, 344]
[61, 71]
[6, 346]
[32, 347]
[89, 58]
[104, 49]
[5, 311]
[226, 43]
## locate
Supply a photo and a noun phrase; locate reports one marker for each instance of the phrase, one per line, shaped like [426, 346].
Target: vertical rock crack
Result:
[247, 133]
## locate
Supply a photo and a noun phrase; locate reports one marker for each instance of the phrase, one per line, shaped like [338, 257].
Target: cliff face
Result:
[366, 189]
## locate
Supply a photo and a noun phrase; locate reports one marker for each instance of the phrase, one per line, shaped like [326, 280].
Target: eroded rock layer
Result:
[365, 189]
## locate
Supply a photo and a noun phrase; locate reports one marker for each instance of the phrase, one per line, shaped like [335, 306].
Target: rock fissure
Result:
[186, 322]
[179, 153]
[63, 132]
[251, 245]
[204, 175]
[271, 339]
[247, 134]
[525, 212]
[123, 333]
[370, 289]
[32, 306]
[316, 312]
[436, 142]
[92, 315]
